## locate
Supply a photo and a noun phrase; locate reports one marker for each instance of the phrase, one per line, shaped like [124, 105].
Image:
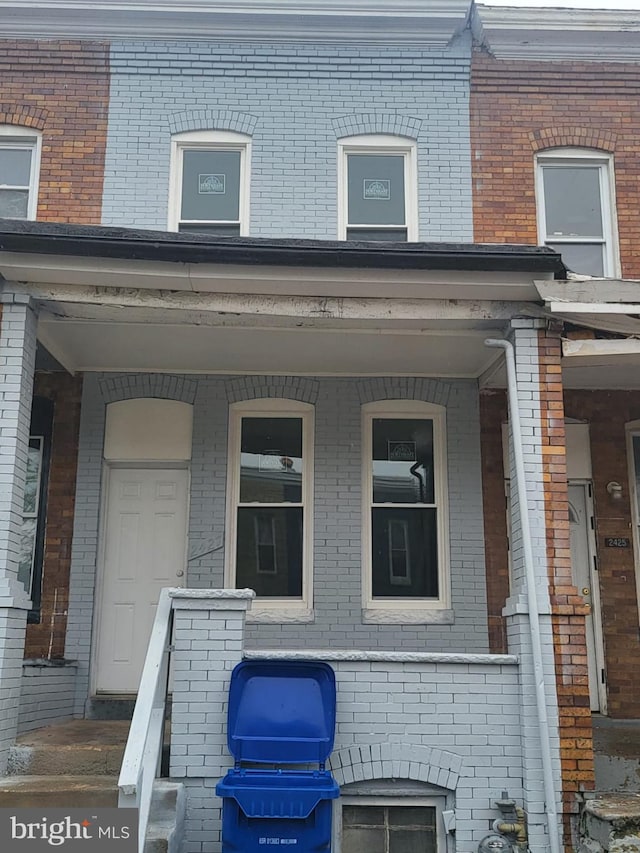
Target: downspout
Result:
[534, 616]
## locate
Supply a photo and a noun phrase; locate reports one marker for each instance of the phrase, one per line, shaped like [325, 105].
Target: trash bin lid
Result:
[282, 712]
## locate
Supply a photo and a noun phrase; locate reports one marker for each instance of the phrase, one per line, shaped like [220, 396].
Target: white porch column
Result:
[525, 339]
[17, 362]
[208, 641]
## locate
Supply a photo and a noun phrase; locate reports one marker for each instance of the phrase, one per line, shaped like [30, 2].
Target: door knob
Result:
[179, 573]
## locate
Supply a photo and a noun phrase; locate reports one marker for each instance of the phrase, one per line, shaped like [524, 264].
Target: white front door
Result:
[144, 550]
[586, 580]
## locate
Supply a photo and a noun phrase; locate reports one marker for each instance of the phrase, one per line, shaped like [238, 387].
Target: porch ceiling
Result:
[309, 346]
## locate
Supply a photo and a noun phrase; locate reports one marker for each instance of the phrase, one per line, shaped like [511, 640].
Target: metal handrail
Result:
[143, 752]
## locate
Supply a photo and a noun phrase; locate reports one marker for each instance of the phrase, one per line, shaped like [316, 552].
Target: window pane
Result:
[27, 548]
[14, 203]
[204, 228]
[412, 841]
[363, 816]
[271, 460]
[360, 840]
[375, 184]
[403, 460]
[211, 185]
[408, 568]
[269, 551]
[424, 816]
[388, 235]
[32, 483]
[15, 167]
[585, 258]
[573, 207]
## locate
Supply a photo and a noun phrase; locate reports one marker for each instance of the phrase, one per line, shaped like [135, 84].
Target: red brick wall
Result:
[567, 606]
[607, 413]
[47, 638]
[61, 89]
[518, 108]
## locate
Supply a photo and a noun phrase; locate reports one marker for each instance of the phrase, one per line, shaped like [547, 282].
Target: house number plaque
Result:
[616, 542]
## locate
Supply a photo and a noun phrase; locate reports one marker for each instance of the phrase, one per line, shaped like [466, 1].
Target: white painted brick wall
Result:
[295, 100]
[47, 695]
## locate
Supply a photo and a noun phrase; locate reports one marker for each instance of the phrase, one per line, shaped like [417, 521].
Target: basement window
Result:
[381, 825]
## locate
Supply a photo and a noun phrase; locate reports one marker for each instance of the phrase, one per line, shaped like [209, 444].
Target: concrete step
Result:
[610, 823]
[616, 745]
[73, 748]
[166, 819]
[58, 790]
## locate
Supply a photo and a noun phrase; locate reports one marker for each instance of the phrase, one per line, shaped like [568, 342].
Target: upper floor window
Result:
[576, 209]
[405, 531]
[19, 168]
[270, 501]
[377, 188]
[209, 188]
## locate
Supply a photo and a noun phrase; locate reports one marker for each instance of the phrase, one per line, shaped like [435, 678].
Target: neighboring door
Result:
[144, 549]
[586, 580]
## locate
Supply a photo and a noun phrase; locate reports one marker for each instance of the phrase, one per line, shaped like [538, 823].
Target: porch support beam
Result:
[242, 304]
[17, 363]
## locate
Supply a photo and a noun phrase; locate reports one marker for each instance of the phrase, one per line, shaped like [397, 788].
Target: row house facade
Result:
[326, 304]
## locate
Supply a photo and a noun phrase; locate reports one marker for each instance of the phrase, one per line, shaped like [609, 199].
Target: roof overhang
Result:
[607, 353]
[558, 34]
[434, 23]
[122, 299]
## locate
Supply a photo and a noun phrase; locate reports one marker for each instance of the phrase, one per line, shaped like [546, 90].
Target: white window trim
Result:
[209, 140]
[435, 802]
[633, 429]
[380, 144]
[17, 136]
[272, 609]
[585, 157]
[407, 610]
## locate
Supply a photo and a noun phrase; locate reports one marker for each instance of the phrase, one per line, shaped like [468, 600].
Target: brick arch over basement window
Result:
[23, 115]
[396, 761]
[573, 137]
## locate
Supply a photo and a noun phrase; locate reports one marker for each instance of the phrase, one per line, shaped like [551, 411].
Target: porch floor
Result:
[616, 745]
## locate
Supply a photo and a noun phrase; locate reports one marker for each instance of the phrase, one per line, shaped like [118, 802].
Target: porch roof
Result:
[52, 238]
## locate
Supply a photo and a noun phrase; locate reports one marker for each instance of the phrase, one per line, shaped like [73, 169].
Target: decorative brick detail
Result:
[212, 120]
[493, 413]
[396, 761]
[406, 388]
[47, 638]
[164, 386]
[572, 137]
[23, 115]
[61, 88]
[567, 606]
[518, 108]
[281, 387]
[363, 123]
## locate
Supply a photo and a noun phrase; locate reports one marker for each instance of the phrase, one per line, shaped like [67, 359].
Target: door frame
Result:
[98, 599]
[596, 607]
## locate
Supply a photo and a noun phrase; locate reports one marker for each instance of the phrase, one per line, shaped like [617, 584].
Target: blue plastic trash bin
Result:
[281, 713]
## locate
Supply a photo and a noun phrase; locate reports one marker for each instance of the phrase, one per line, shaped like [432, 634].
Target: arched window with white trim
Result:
[576, 208]
[377, 188]
[19, 171]
[209, 182]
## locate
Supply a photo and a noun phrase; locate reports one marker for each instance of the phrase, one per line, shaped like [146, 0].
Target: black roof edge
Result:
[100, 241]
